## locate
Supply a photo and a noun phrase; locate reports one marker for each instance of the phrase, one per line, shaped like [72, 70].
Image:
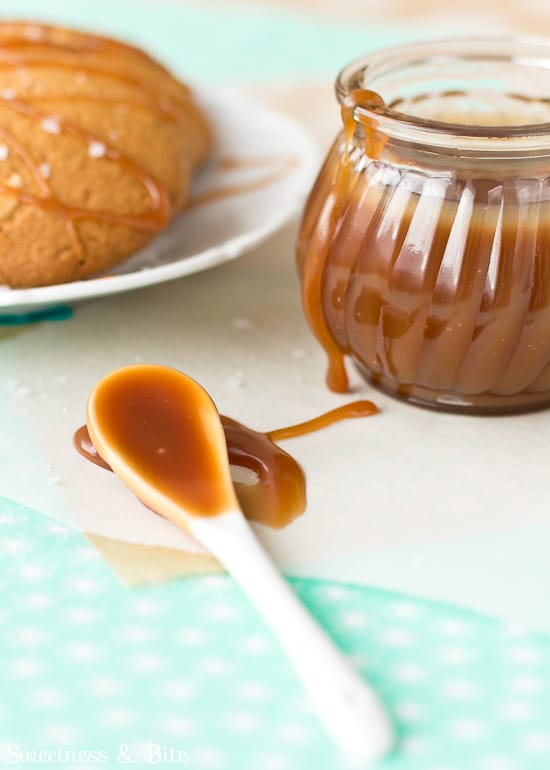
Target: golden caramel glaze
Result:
[97, 145]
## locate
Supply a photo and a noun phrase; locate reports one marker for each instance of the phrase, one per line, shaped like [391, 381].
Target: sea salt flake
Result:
[34, 32]
[23, 389]
[4, 151]
[51, 126]
[96, 150]
[242, 324]
[16, 180]
[45, 170]
[8, 93]
[235, 381]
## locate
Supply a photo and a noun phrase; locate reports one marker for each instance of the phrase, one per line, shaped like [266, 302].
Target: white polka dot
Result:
[455, 627]
[60, 734]
[30, 636]
[48, 697]
[397, 637]
[243, 722]
[518, 711]
[86, 554]
[13, 546]
[97, 150]
[31, 572]
[222, 612]
[147, 607]
[215, 666]
[524, 655]
[416, 746]
[405, 610]
[255, 691]
[119, 717]
[51, 125]
[256, 645]
[83, 652]
[335, 593]
[192, 636]
[178, 726]
[27, 667]
[105, 686]
[460, 689]
[526, 684]
[146, 663]
[456, 655]
[353, 619]
[469, 729]
[38, 601]
[139, 633]
[180, 689]
[537, 742]
[409, 672]
[86, 585]
[410, 711]
[82, 615]
[59, 529]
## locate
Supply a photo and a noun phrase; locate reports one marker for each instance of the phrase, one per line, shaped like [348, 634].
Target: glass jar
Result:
[424, 249]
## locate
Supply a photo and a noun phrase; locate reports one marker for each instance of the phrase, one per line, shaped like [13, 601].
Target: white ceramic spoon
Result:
[135, 418]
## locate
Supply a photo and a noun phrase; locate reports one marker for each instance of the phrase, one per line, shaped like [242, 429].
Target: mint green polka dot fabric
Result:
[186, 674]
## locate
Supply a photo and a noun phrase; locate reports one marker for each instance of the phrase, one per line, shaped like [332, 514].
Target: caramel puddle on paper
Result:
[274, 494]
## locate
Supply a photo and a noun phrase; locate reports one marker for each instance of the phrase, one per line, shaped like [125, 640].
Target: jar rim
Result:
[523, 51]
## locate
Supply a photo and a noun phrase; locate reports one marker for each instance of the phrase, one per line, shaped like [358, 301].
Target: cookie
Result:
[98, 143]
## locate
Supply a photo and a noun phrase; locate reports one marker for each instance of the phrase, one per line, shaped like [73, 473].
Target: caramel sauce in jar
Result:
[424, 250]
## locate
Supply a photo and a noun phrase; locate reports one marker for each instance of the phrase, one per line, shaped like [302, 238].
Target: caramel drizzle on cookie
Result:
[153, 220]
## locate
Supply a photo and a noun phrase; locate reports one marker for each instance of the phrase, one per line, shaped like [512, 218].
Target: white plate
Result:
[217, 231]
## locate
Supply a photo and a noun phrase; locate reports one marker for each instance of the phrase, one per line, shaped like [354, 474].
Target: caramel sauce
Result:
[346, 412]
[429, 270]
[279, 494]
[160, 427]
[325, 205]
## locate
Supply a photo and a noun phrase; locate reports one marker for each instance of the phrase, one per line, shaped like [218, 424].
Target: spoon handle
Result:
[347, 706]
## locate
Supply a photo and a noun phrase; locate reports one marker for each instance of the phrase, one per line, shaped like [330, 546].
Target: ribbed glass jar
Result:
[424, 249]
